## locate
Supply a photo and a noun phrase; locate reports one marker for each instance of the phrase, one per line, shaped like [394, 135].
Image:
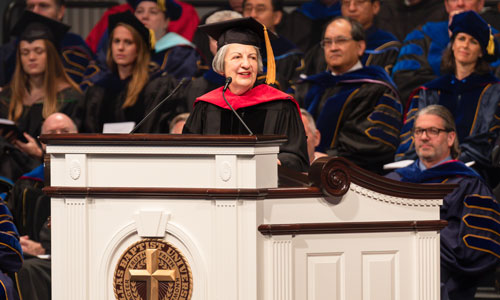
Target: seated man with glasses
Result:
[470, 242]
[357, 109]
[382, 47]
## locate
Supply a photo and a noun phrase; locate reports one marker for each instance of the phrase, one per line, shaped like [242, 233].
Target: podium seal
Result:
[152, 269]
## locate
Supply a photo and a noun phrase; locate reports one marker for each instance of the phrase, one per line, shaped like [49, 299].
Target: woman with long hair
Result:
[40, 86]
[126, 92]
[469, 91]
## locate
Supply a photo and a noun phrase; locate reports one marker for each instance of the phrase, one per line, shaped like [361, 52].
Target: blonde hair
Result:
[53, 74]
[140, 71]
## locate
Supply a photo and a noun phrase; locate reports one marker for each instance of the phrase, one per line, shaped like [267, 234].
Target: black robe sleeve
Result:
[275, 117]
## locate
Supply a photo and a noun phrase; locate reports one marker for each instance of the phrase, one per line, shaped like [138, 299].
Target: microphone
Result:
[184, 80]
[226, 85]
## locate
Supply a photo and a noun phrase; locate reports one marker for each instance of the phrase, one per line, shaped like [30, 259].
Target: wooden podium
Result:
[340, 233]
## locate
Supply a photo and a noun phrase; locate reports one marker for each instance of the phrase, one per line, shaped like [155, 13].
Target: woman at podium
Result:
[245, 105]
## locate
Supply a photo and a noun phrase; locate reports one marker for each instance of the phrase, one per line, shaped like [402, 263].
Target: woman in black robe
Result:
[39, 87]
[265, 110]
[126, 93]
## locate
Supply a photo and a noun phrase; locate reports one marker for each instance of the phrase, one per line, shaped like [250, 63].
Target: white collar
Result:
[357, 66]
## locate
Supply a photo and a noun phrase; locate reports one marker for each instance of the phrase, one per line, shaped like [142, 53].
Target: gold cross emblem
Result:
[152, 275]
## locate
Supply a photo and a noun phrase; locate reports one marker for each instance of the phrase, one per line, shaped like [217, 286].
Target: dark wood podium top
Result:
[140, 139]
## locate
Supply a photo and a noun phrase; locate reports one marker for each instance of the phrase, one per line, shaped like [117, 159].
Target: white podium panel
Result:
[342, 234]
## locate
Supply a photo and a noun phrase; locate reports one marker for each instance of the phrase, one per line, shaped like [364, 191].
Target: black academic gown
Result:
[14, 162]
[103, 104]
[277, 116]
[32, 118]
[200, 86]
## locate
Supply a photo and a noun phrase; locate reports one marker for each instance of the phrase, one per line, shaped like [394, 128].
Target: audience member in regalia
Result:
[186, 24]
[126, 93]
[11, 255]
[177, 123]
[210, 79]
[303, 26]
[382, 47]
[74, 52]
[468, 90]
[171, 53]
[469, 243]
[400, 17]
[31, 211]
[263, 109]
[312, 133]
[419, 60]
[357, 108]
[288, 58]
[40, 86]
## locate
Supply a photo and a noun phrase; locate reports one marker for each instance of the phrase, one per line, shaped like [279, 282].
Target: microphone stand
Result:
[159, 104]
[226, 85]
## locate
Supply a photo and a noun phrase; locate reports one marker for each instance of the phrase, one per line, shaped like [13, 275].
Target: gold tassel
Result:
[152, 38]
[271, 65]
[161, 5]
[491, 44]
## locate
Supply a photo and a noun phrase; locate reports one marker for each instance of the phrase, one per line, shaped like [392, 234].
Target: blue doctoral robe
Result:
[316, 10]
[419, 59]
[474, 103]
[382, 49]
[11, 254]
[470, 243]
[176, 56]
[358, 114]
[304, 25]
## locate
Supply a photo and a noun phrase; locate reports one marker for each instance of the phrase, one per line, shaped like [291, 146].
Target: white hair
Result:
[223, 15]
[218, 62]
[310, 119]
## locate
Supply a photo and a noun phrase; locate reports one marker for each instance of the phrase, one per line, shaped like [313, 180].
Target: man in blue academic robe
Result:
[470, 242]
[382, 47]
[357, 109]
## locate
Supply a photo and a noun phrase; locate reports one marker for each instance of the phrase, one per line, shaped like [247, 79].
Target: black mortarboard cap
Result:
[128, 18]
[170, 8]
[32, 26]
[246, 31]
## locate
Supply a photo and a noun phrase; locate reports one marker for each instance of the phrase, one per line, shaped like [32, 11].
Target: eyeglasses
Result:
[339, 41]
[431, 132]
[357, 2]
[466, 1]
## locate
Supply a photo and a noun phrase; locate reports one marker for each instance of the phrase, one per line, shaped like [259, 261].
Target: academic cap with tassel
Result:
[471, 23]
[245, 31]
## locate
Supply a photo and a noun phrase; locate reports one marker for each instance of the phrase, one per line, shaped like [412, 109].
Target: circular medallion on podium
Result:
[152, 269]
